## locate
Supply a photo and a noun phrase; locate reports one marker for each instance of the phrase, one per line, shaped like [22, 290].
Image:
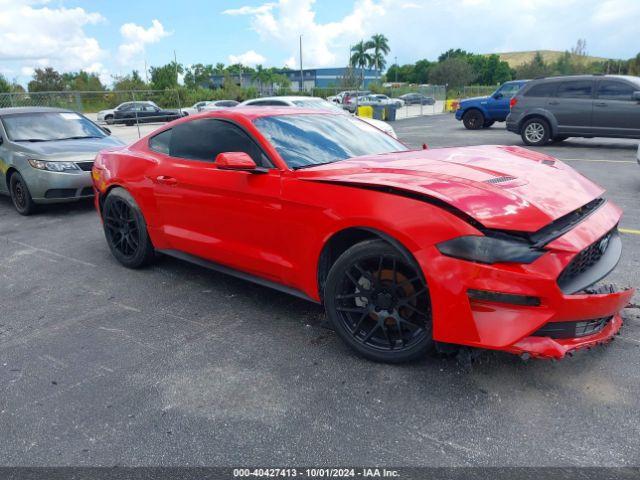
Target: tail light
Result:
[513, 102]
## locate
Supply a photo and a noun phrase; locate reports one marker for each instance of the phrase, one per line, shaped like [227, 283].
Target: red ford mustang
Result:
[494, 247]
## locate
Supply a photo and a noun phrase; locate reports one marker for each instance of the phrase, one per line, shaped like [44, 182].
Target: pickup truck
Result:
[482, 112]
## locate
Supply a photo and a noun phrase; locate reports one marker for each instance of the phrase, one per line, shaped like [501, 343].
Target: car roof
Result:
[587, 77]
[13, 110]
[251, 113]
[289, 98]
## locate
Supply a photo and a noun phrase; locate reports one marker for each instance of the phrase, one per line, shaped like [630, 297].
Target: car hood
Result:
[80, 149]
[502, 187]
[473, 99]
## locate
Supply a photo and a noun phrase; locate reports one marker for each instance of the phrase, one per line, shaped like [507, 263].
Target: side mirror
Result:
[497, 96]
[237, 161]
[636, 96]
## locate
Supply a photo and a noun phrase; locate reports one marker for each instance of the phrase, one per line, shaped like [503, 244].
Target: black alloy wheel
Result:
[379, 303]
[125, 230]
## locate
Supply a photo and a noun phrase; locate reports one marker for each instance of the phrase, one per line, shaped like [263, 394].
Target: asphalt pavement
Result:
[178, 365]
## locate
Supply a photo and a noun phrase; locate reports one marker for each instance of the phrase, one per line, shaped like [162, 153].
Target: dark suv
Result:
[555, 108]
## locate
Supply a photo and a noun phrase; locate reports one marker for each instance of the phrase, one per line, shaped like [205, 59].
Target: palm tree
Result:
[380, 45]
[360, 57]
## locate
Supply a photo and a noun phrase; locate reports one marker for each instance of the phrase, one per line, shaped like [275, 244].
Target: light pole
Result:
[301, 74]
[395, 60]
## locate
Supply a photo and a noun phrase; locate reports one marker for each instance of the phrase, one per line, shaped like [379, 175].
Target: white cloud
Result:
[249, 58]
[35, 35]
[135, 40]
[425, 28]
[246, 10]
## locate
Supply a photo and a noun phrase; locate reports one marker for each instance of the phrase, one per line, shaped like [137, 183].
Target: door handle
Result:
[164, 180]
[600, 104]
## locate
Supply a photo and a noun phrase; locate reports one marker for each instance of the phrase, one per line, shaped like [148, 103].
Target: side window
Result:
[509, 90]
[547, 89]
[161, 142]
[124, 108]
[204, 139]
[577, 89]
[612, 90]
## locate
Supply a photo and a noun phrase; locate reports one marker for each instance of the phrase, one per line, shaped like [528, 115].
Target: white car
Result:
[217, 104]
[208, 105]
[314, 103]
[108, 115]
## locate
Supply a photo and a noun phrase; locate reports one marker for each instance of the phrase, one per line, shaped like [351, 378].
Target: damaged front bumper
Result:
[553, 340]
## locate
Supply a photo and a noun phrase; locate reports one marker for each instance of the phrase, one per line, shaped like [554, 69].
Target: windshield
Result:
[317, 104]
[307, 140]
[42, 127]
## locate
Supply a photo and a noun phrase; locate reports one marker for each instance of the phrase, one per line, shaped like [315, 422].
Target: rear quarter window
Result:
[161, 142]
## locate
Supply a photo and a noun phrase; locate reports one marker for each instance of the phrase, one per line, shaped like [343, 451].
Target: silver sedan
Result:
[46, 155]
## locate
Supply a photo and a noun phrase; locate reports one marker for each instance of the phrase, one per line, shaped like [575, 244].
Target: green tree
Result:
[262, 76]
[360, 58]
[534, 68]
[165, 76]
[453, 72]
[380, 46]
[82, 81]
[198, 75]
[46, 80]
[5, 86]
[129, 82]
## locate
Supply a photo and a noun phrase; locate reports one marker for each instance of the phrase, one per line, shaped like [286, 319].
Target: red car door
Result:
[229, 217]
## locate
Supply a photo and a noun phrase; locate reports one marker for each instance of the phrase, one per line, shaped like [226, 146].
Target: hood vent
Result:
[499, 179]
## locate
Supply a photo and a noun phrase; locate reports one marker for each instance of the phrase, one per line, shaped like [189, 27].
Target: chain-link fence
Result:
[148, 106]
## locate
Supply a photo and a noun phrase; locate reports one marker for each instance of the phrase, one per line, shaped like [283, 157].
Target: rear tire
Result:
[488, 123]
[20, 195]
[126, 230]
[379, 303]
[473, 120]
[535, 132]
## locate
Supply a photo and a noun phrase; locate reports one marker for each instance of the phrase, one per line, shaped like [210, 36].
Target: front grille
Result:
[572, 329]
[585, 259]
[60, 193]
[85, 166]
[500, 179]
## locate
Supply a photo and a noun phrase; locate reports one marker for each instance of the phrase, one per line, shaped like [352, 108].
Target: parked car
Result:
[216, 104]
[386, 100]
[480, 246]
[556, 108]
[315, 103]
[482, 112]
[193, 109]
[343, 97]
[139, 113]
[108, 115]
[417, 99]
[46, 155]
[371, 99]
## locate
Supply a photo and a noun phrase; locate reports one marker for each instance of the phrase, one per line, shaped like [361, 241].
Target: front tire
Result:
[535, 132]
[126, 230]
[379, 304]
[488, 123]
[109, 119]
[20, 195]
[473, 120]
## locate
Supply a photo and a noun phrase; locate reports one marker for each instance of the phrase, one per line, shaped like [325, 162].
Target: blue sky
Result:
[114, 37]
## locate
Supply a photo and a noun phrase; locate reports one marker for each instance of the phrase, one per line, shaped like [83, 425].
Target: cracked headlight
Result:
[489, 250]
